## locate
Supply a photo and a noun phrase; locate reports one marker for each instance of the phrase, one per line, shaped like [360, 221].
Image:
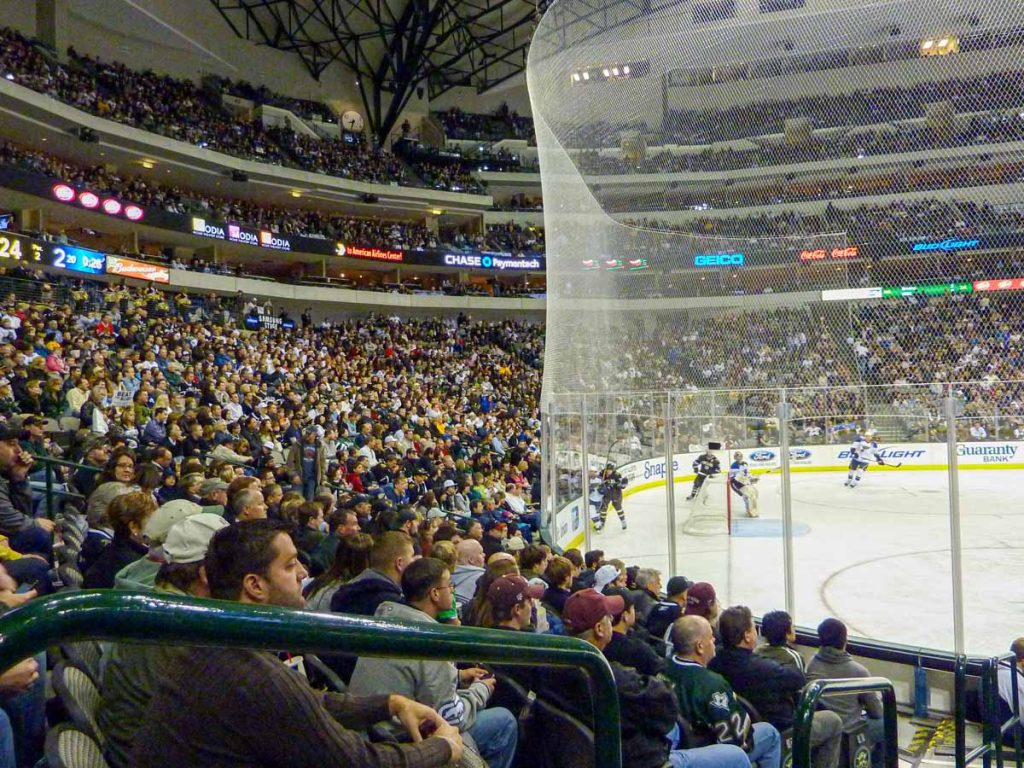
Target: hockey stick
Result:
[895, 465]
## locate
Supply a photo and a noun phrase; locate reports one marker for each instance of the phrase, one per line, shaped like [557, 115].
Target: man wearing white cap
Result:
[606, 574]
[132, 671]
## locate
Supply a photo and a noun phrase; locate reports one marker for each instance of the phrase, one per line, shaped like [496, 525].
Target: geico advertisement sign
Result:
[987, 453]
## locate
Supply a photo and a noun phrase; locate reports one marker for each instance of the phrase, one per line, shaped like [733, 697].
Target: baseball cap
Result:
[605, 575]
[188, 539]
[510, 590]
[9, 432]
[161, 521]
[515, 544]
[677, 585]
[587, 607]
[493, 523]
[32, 420]
[212, 484]
[699, 599]
[448, 484]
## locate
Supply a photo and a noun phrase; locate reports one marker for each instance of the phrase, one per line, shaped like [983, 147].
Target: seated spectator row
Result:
[181, 110]
[979, 131]
[292, 221]
[503, 123]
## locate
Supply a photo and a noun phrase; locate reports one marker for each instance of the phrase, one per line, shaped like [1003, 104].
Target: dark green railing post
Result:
[988, 720]
[844, 687]
[167, 619]
[49, 490]
[960, 711]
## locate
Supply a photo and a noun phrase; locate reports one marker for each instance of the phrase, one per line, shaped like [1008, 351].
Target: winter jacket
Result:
[464, 579]
[365, 593]
[12, 519]
[434, 683]
[769, 686]
[829, 663]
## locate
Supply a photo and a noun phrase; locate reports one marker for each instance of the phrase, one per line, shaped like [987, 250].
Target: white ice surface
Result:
[877, 556]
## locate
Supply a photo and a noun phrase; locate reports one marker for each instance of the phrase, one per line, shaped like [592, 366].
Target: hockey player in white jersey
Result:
[862, 454]
[743, 483]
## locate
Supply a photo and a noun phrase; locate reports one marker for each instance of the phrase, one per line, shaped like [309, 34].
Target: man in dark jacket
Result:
[624, 647]
[648, 710]
[390, 555]
[770, 687]
[25, 533]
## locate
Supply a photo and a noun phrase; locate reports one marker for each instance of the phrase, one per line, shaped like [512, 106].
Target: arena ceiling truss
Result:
[395, 46]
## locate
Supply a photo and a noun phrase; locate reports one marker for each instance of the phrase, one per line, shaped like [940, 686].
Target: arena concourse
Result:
[292, 345]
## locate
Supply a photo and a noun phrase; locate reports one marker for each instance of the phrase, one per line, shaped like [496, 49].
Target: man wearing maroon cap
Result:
[648, 709]
[702, 601]
[510, 598]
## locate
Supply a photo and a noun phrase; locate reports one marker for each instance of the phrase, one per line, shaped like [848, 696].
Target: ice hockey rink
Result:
[876, 556]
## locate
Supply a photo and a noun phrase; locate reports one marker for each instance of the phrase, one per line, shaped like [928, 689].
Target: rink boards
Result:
[645, 474]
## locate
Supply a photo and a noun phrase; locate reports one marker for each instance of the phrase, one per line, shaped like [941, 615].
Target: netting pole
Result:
[670, 484]
[728, 494]
[547, 488]
[787, 505]
[954, 524]
[585, 485]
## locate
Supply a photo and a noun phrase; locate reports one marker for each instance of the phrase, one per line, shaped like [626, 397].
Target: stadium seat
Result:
[70, 577]
[574, 739]
[87, 655]
[68, 747]
[80, 697]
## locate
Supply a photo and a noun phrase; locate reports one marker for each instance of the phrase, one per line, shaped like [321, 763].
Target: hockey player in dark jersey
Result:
[612, 484]
[706, 465]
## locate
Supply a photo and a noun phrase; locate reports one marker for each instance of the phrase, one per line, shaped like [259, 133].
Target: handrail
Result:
[169, 619]
[993, 729]
[844, 687]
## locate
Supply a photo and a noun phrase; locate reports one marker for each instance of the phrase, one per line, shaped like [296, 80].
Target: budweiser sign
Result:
[138, 270]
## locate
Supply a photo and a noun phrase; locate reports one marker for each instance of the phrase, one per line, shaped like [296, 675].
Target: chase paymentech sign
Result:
[489, 261]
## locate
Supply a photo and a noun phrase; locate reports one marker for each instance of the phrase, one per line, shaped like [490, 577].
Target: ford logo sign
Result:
[799, 453]
[762, 455]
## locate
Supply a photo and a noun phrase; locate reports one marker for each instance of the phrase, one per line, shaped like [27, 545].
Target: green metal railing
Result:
[844, 687]
[993, 730]
[167, 619]
[52, 493]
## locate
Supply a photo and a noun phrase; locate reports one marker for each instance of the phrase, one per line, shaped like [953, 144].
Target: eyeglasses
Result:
[444, 586]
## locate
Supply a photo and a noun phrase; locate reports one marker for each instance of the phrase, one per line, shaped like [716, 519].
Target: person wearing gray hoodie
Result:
[468, 571]
[833, 661]
[459, 696]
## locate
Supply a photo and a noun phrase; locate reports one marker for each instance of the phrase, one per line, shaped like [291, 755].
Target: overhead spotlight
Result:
[576, 77]
[615, 71]
[606, 72]
[586, 75]
[625, 70]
